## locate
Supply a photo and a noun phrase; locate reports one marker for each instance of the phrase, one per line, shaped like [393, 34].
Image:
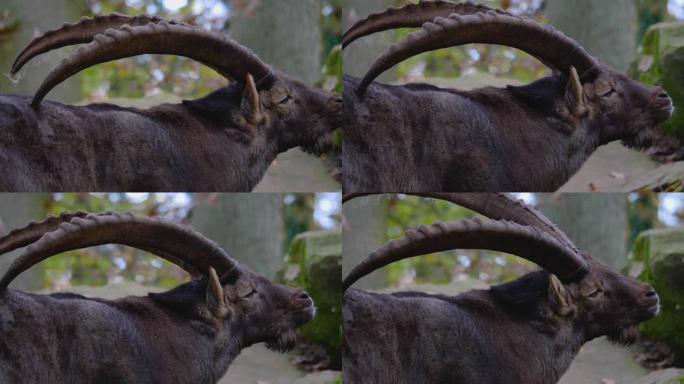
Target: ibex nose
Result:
[651, 292]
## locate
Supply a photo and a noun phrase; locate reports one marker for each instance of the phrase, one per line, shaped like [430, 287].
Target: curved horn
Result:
[166, 239]
[410, 15]
[224, 55]
[21, 237]
[528, 242]
[497, 206]
[542, 41]
[80, 32]
[32, 232]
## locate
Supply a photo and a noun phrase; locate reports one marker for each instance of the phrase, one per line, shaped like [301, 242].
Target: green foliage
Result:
[298, 216]
[111, 263]
[642, 214]
[406, 212]
[457, 61]
[148, 74]
[338, 380]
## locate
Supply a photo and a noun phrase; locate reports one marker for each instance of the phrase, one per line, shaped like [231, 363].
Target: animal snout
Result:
[649, 297]
[662, 96]
[303, 296]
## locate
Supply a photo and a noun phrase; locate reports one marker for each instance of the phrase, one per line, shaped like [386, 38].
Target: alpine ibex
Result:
[189, 334]
[525, 331]
[532, 138]
[222, 142]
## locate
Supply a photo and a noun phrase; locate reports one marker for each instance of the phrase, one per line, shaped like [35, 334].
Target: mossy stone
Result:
[660, 60]
[662, 254]
[314, 262]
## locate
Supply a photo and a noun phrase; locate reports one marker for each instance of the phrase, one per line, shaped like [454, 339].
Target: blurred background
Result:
[640, 234]
[296, 36]
[642, 37]
[294, 239]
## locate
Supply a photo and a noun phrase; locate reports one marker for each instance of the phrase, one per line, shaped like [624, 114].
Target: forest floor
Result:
[296, 171]
[254, 365]
[612, 168]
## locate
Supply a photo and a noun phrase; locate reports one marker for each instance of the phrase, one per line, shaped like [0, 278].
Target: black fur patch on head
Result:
[218, 106]
[524, 294]
[541, 92]
[185, 297]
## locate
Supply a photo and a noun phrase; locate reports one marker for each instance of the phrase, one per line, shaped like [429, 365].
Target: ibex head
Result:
[574, 291]
[583, 93]
[261, 101]
[236, 303]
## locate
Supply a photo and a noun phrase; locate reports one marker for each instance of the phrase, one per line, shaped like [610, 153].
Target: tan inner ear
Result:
[250, 105]
[215, 297]
[559, 295]
[574, 93]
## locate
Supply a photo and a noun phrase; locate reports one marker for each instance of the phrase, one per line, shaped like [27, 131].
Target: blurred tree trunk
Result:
[285, 33]
[607, 29]
[360, 55]
[250, 227]
[364, 231]
[17, 210]
[33, 17]
[596, 222]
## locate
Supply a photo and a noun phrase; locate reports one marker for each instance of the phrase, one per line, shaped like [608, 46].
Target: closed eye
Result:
[285, 99]
[594, 293]
[609, 92]
[251, 293]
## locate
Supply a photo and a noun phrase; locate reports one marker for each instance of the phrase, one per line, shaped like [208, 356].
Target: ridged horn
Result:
[21, 237]
[164, 238]
[497, 206]
[32, 232]
[80, 32]
[219, 52]
[542, 41]
[530, 243]
[410, 15]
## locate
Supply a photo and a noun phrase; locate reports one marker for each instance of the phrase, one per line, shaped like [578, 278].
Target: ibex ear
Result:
[574, 93]
[560, 300]
[250, 105]
[215, 297]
